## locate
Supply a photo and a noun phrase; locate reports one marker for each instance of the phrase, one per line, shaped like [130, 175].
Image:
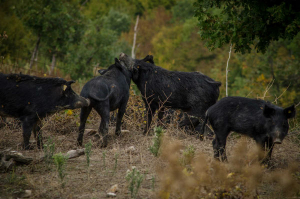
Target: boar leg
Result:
[219, 144]
[150, 111]
[38, 134]
[120, 115]
[103, 110]
[85, 111]
[27, 128]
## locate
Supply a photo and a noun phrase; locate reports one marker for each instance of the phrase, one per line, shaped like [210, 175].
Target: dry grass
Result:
[165, 176]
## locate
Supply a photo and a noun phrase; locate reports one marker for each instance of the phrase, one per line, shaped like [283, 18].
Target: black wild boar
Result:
[266, 123]
[107, 92]
[31, 98]
[192, 92]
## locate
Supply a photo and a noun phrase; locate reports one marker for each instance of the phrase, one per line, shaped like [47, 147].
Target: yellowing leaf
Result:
[69, 112]
[230, 175]
[261, 78]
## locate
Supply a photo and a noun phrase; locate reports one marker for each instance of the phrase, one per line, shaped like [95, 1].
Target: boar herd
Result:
[31, 98]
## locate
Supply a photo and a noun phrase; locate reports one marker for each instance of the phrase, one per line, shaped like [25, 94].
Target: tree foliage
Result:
[99, 46]
[246, 23]
[18, 42]
[57, 22]
[88, 35]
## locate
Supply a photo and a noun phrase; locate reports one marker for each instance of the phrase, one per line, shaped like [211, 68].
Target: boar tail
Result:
[203, 126]
[92, 95]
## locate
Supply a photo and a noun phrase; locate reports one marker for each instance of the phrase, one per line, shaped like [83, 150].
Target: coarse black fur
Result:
[192, 92]
[31, 98]
[107, 92]
[266, 123]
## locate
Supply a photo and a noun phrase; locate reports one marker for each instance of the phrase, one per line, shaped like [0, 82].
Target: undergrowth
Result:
[242, 177]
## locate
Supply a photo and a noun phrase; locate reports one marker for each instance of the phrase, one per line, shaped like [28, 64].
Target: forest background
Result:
[74, 38]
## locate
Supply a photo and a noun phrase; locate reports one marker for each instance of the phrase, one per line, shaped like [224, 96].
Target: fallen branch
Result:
[9, 159]
[75, 153]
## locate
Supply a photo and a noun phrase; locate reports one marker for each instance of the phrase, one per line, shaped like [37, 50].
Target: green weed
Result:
[49, 149]
[135, 179]
[153, 182]
[188, 155]
[116, 163]
[88, 152]
[103, 158]
[154, 149]
[12, 178]
[60, 161]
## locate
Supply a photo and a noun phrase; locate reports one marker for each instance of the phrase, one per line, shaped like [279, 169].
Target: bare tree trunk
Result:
[53, 63]
[34, 53]
[227, 71]
[271, 62]
[36, 60]
[134, 37]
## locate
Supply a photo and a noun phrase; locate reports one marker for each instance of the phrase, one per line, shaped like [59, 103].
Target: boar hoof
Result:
[28, 147]
[201, 137]
[118, 133]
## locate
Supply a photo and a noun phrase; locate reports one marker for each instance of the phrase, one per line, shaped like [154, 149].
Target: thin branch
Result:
[227, 70]
[281, 94]
[134, 37]
[268, 88]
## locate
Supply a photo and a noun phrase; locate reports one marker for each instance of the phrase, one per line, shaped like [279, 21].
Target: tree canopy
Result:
[247, 22]
[86, 36]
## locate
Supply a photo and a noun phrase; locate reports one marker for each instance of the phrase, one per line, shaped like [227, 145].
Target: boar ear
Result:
[148, 58]
[70, 82]
[117, 61]
[290, 112]
[151, 59]
[268, 111]
[119, 65]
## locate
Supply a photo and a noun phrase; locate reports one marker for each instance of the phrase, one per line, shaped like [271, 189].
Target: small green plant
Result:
[135, 179]
[60, 161]
[12, 178]
[103, 158]
[88, 151]
[154, 149]
[188, 155]
[49, 149]
[116, 163]
[153, 182]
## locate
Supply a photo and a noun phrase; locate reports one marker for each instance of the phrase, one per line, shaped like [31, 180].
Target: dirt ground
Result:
[109, 166]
